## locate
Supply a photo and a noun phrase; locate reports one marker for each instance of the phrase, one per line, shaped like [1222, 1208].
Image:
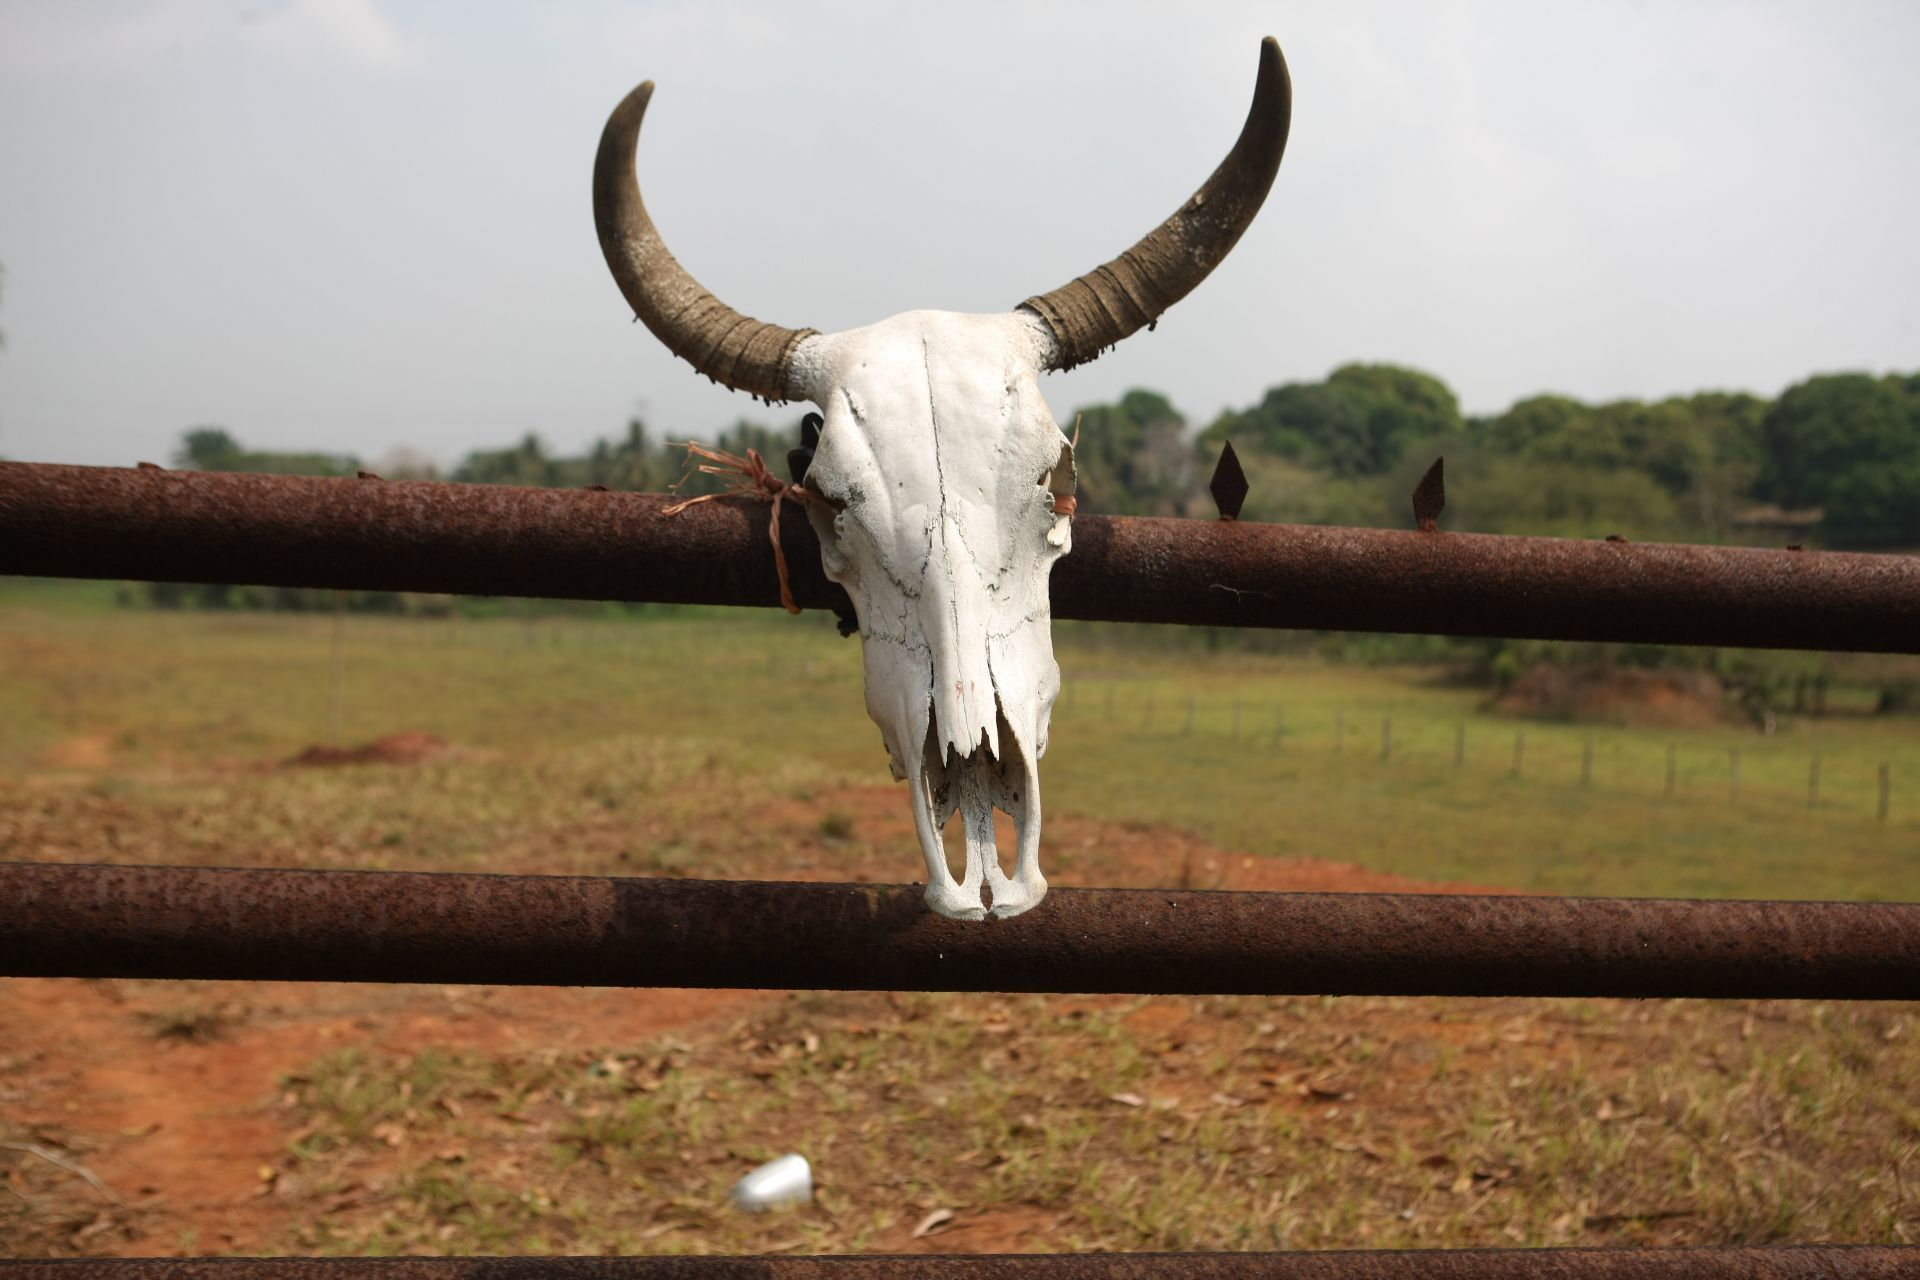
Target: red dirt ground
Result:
[170, 1091]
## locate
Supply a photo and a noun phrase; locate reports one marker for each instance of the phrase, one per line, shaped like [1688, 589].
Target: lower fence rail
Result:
[1826, 1262]
[92, 921]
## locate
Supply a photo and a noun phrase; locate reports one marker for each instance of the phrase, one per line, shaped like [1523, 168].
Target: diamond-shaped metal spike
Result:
[1430, 497]
[1229, 484]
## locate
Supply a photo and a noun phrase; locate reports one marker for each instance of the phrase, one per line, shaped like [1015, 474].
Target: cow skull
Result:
[946, 483]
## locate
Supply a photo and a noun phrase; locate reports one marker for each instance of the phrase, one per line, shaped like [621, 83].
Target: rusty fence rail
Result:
[193, 922]
[63, 920]
[168, 526]
[1800, 1262]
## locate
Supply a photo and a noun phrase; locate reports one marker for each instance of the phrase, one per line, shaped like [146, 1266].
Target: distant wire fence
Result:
[1595, 759]
[1589, 760]
[1599, 760]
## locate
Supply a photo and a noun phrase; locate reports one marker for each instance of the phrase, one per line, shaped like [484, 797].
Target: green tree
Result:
[1403, 406]
[208, 449]
[1822, 430]
[1554, 428]
[1560, 499]
[630, 463]
[1875, 505]
[1722, 481]
[1356, 423]
[525, 463]
[1132, 458]
[216, 449]
[1704, 450]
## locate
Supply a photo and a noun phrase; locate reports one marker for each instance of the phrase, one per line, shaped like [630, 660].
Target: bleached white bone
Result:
[944, 462]
[949, 485]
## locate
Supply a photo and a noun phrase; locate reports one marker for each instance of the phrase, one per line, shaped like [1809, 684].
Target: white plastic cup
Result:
[788, 1180]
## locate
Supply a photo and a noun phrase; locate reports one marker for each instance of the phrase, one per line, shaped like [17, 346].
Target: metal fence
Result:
[166, 526]
[183, 922]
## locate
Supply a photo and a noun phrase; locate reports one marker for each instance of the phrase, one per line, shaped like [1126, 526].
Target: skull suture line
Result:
[942, 467]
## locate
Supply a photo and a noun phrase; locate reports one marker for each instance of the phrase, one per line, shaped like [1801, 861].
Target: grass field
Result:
[769, 697]
[252, 1118]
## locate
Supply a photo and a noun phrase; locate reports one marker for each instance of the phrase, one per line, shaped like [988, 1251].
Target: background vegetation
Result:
[1834, 461]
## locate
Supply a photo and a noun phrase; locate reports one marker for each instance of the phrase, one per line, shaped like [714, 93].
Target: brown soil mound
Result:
[1617, 695]
[412, 747]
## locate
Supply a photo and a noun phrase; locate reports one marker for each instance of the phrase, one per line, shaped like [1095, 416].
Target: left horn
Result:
[735, 350]
[1112, 302]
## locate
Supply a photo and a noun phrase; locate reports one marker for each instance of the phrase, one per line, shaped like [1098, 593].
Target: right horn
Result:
[1097, 310]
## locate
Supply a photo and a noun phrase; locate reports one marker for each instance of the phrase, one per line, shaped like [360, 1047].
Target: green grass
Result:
[561, 715]
[1322, 793]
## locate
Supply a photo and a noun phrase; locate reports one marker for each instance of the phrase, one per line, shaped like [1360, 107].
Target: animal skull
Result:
[943, 472]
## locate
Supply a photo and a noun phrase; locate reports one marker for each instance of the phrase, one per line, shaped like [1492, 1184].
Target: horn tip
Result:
[1273, 64]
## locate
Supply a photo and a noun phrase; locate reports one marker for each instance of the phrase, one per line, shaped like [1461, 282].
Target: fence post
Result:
[1886, 789]
[1519, 750]
[1813, 783]
[1672, 770]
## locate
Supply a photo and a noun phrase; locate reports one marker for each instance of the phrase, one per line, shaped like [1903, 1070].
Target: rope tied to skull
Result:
[747, 477]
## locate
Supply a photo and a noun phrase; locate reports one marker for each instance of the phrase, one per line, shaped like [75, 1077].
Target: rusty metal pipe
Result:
[86, 921]
[182, 526]
[1791, 1262]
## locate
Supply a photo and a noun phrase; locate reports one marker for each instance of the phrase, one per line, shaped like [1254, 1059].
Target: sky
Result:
[352, 225]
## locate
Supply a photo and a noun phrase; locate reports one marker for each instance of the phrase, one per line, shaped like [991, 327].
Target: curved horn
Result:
[735, 350]
[1109, 303]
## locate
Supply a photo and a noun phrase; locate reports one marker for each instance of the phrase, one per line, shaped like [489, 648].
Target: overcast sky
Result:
[356, 224]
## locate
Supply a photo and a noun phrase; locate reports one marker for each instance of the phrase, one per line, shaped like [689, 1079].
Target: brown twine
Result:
[747, 477]
[1065, 506]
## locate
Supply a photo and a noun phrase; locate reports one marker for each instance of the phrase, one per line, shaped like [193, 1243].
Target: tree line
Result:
[1833, 461]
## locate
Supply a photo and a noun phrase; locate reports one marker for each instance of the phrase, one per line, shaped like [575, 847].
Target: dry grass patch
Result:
[1058, 1124]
